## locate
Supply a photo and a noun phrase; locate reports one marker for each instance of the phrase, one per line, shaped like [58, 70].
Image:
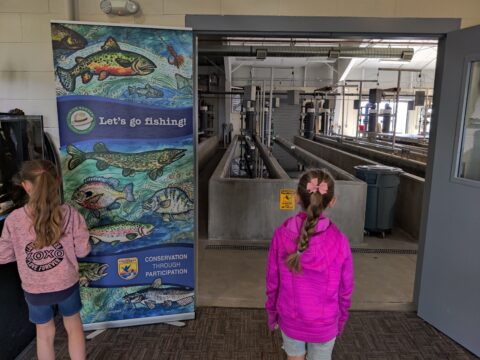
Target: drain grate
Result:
[237, 247]
[354, 250]
[384, 251]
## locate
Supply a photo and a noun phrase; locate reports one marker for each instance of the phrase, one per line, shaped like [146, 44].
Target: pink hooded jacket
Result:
[312, 305]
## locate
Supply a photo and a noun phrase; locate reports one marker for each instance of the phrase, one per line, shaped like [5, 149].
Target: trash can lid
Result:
[379, 169]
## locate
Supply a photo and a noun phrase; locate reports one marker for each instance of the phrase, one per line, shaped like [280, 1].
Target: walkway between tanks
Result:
[383, 280]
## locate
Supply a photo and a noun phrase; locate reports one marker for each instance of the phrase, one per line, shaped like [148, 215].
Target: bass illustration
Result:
[91, 271]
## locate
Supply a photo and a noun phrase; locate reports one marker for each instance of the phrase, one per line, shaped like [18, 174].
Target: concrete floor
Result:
[236, 278]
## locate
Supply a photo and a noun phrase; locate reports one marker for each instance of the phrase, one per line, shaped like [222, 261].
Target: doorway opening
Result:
[346, 101]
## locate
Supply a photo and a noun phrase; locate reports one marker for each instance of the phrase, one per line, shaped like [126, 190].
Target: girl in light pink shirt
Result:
[45, 238]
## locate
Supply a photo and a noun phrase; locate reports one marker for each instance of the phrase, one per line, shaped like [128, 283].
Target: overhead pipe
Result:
[71, 9]
[307, 51]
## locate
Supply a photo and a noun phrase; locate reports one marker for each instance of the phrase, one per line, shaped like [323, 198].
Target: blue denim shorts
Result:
[314, 351]
[41, 314]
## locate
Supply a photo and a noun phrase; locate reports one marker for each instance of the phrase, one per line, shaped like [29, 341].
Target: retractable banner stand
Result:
[124, 100]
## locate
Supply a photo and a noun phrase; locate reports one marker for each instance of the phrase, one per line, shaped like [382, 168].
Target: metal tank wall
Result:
[408, 208]
[247, 210]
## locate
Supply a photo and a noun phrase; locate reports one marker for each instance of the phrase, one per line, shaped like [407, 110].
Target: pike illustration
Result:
[171, 203]
[110, 60]
[161, 295]
[120, 232]
[91, 271]
[66, 38]
[151, 162]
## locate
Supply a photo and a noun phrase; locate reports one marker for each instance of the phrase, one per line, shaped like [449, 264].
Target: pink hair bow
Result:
[313, 186]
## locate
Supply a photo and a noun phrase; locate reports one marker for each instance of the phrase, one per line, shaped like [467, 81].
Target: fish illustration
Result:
[151, 162]
[91, 271]
[184, 84]
[148, 91]
[120, 232]
[160, 295]
[100, 193]
[110, 60]
[66, 38]
[171, 203]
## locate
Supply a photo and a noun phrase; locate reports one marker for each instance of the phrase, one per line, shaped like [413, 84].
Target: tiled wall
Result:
[26, 72]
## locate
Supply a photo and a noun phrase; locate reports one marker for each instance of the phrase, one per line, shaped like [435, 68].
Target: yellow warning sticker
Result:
[287, 199]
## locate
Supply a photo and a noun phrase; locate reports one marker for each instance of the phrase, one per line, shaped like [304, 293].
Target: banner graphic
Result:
[125, 112]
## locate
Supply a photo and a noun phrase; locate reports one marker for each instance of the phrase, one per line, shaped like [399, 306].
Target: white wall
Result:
[26, 71]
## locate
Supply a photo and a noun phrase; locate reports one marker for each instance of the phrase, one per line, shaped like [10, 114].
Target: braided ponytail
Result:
[314, 203]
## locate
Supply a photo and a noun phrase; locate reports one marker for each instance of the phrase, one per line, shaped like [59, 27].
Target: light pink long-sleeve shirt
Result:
[52, 268]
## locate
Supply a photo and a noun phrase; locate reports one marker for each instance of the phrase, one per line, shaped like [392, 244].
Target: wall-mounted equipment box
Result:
[249, 93]
[419, 98]
[375, 96]
[294, 97]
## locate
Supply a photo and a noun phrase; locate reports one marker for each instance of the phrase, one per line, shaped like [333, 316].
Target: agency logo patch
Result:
[44, 259]
[81, 120]
[128, 268]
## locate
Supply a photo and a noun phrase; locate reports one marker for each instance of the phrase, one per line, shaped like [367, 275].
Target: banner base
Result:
[140, 321]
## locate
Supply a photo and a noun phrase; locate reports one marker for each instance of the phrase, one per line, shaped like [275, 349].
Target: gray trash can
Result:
[382, 191]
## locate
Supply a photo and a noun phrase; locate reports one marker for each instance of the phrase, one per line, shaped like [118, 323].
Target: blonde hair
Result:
[314, 203]
[44, 201]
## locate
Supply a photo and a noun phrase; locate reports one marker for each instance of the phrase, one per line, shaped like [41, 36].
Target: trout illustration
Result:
[151, 162]
[91, 271]
[160, 295]
[111, 60]
[120, 232]
[66, 38]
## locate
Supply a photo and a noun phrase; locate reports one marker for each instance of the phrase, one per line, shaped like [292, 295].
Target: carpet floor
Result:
[230, 333]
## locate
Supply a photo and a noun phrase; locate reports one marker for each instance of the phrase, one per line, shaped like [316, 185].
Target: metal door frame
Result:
[351, 27]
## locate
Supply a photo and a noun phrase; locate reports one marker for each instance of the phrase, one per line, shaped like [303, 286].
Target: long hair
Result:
[44, 201]
[314, 203]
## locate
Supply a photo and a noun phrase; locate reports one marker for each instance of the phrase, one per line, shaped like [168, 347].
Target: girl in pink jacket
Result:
[309, 274]
[45, 238]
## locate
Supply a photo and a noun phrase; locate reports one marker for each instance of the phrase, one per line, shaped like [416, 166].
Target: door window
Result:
[469, 161]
